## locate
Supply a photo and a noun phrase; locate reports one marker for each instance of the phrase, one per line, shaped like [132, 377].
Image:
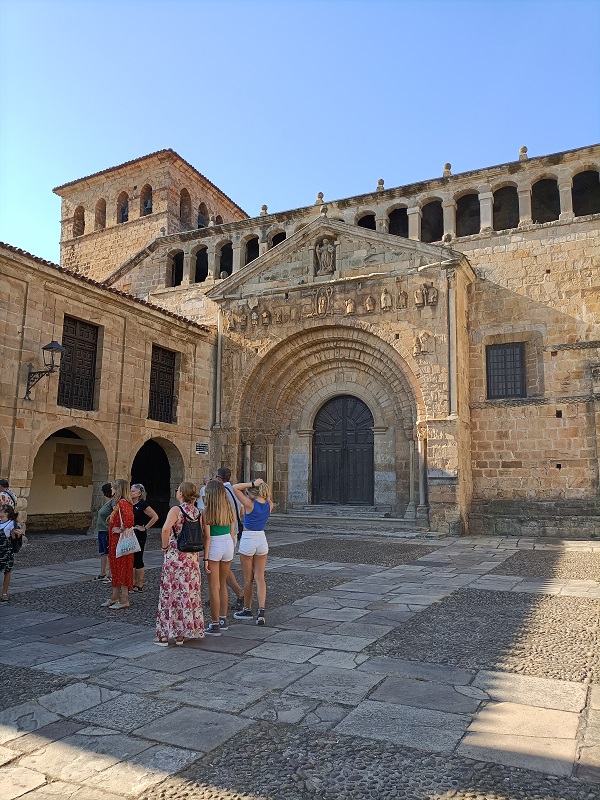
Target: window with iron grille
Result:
[78, 365]
[505, 366]
[162, 385]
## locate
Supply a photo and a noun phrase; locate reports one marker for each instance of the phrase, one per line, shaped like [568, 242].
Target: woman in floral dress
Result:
[179, 604]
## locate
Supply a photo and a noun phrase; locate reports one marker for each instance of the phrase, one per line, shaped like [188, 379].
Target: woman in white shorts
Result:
[253, 544]
[218, 524]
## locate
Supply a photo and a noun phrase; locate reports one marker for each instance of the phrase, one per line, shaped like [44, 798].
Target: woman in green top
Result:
[102, 528]
[218, 523]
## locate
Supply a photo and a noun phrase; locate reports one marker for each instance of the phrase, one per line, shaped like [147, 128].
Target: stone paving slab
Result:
[552, 756]
[194, 728]
[513, 719]
[283, 708]
[135, 680]
[62, 625]
[335, 614]
[34, 653]
[423, 729]
[15, 781]
[84, 754]
[75, 698]
[335, 685]
[80, 665]
[60, 790]
[417, 669]
[43, 736]
[338, 658]
[126, 712]
[424, 694]
[181, 659]
[214, 696]
[22, 719]
[6, 755]
[319, 640]
[532, 691]
[264, 673]
[293, 653]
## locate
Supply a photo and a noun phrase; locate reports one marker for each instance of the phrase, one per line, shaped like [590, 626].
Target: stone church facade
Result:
[430, 351]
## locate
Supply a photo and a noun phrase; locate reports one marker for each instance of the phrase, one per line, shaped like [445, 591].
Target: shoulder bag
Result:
[128, 543]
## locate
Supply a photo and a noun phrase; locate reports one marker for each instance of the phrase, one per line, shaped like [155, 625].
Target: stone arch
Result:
[100, 215]
[202, 218]
[218, 220]
[200, 255]
[185, 209]
[79, 222]
[102, 455]
[505, 207]
[397, 217]
[585, 191]
[545, 200]
[366, 219]
[432, 220]
[251, 247]
[167, 486]
[146, 200]
[122, 208]
[224, 257]
[276, 236]
[468, 213]
[174, 271]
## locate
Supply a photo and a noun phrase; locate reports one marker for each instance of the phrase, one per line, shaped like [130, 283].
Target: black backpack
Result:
[191, 537]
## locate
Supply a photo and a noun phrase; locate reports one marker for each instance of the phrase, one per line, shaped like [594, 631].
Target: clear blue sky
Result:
[276, 100]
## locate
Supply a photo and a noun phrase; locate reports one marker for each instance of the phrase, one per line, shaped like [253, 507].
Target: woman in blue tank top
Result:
[253, 544]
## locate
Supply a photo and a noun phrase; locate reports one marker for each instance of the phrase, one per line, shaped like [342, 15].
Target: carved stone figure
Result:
[279, 316]
[243, 322]
[265, 317]
[401, 299]
[416, 346]
[322, 304]
[431, 294]
[386, 300]
[254, 317]
[370, 304]
[419, 296]
[425, 342]
[350, 306]
[325, 253]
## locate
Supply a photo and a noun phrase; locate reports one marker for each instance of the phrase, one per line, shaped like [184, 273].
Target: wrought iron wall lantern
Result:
[52, 353]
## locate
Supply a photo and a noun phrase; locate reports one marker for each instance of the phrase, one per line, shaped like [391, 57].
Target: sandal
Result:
[161, 642]
[137, 589]
[118, 606]
[4, 598]
[107, 603]
[179, 642]
[100, 578]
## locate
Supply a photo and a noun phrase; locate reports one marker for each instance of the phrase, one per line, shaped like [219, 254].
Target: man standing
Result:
[6, 496]
[224, 475]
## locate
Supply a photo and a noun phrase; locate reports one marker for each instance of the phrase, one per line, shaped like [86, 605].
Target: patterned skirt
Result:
[7, 557]
[180, 614]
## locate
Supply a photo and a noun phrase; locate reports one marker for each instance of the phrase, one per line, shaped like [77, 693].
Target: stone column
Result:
[381, 223]
[238, 254]
[270, 463]
[595, 370]
[213, 261]
[566, 199]
[422, 508]
[414, 223]
[189, 269]
[452, 344]
[486, 211]
[218, 373]
[247, 461]
[449, 211]
[411, 508]
[525, 206]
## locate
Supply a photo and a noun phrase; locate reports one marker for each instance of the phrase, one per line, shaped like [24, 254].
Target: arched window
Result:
[226, 260]
[202, 215]
[100, 215]
[506, 208]
[185, 209]
[201, 265]
[468, 215]
[545, 201]
[251, 250]
[123, 208]
[368, 221]
[586, 193]
[146, 201]
[175, 269]
[432, 222]
[398, 222]
[79, 221]
[278, 239]
[218, 220]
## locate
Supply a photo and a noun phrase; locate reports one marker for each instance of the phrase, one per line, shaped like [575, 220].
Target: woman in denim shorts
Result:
[253, 550]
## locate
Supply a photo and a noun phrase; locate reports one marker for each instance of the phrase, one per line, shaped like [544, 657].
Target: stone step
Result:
[346, 524]
[332, 510]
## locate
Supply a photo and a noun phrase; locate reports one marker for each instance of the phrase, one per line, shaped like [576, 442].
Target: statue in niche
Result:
[420, 296]
[422, 343]
[322, 304]
[370, 304]
[431, 294]
[243, 322]
[416, 346]
[401, 300]
[386, 301]
[231, 321]
[265, 317]
[325, 253]
[350, 306]
[279, 316]
[254, 317]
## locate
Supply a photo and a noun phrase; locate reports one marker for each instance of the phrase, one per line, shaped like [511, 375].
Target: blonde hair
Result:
[189, 492]
[217, 508]
[263, 491]
[121, 491]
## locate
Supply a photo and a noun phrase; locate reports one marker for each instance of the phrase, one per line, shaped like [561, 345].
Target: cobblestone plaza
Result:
[391, 667]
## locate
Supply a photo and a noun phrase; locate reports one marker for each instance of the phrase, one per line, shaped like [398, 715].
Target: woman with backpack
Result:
[8, 533]
[218, 521]
[180, 614]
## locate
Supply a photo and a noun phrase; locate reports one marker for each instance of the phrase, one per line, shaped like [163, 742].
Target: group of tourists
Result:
[11, 535]
[228, 516]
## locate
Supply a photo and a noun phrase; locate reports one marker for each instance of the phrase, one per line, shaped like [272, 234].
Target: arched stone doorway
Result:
[343, 457]
[158, 465]
[67, 474]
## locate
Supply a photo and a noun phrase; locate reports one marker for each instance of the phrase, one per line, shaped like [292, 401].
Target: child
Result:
[8, 530]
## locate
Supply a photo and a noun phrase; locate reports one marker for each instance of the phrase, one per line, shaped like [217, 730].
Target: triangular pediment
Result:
[329, 250]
